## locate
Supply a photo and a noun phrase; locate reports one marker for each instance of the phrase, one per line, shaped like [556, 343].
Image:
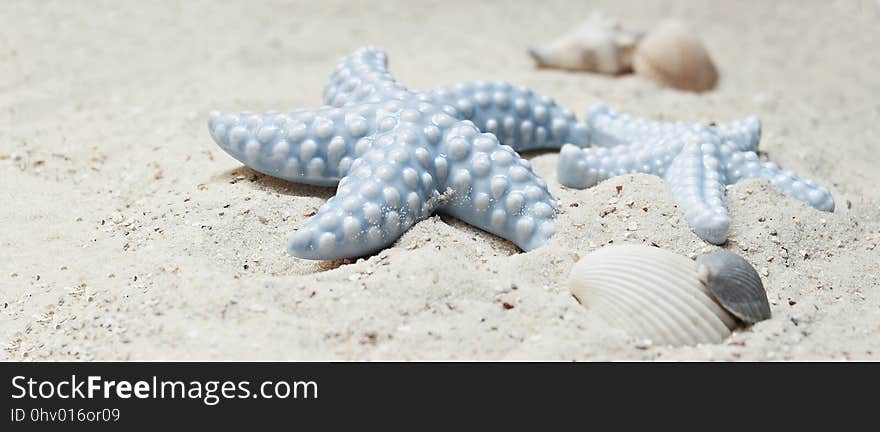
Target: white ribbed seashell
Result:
[599, 45]
[650, 293]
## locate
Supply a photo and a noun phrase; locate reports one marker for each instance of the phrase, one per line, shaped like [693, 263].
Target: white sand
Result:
[125, 235]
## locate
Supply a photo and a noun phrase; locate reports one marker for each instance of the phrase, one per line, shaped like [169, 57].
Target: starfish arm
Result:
[313, 147]
[745, 164]
[361, 76]
[581, 168]
[386, 193]
[697, 182]
[610, 128]
[519, 118]
[744, 134]
[489, 186]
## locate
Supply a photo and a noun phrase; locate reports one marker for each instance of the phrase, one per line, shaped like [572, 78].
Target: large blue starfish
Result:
[697, 161]
[399, 155]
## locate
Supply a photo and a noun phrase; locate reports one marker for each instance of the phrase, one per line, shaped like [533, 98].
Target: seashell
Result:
[658, 295]
[673, 55]
[600, 45]
[735, 285]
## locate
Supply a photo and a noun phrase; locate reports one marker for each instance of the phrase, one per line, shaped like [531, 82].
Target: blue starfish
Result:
[398, 156]
[697, 161]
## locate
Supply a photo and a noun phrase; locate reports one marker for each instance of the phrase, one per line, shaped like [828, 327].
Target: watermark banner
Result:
[327, 396]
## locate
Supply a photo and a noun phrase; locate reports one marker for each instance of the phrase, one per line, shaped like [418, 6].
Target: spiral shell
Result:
[658, 295]
[599, 45]
[673, 55]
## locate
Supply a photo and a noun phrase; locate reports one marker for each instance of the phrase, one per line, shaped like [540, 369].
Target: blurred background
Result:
[146, 65]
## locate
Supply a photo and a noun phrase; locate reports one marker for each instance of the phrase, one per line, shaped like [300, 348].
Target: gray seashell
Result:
[600, 44]
[657, 295]
[735, 285]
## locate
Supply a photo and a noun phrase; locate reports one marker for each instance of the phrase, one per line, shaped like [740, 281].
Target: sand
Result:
[127, 234]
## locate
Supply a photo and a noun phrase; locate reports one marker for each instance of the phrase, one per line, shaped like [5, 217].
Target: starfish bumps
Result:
[696, 161]
[399, 156]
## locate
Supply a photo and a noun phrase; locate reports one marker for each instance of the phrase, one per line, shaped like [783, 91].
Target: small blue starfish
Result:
[399, 155]
[697, 161]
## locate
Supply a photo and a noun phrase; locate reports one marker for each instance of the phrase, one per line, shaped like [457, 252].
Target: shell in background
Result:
[673, 55]
[599, 45]
[735, 285]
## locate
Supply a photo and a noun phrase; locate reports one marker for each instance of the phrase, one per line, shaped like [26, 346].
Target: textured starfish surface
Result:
[697, 161]
[398, 156]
